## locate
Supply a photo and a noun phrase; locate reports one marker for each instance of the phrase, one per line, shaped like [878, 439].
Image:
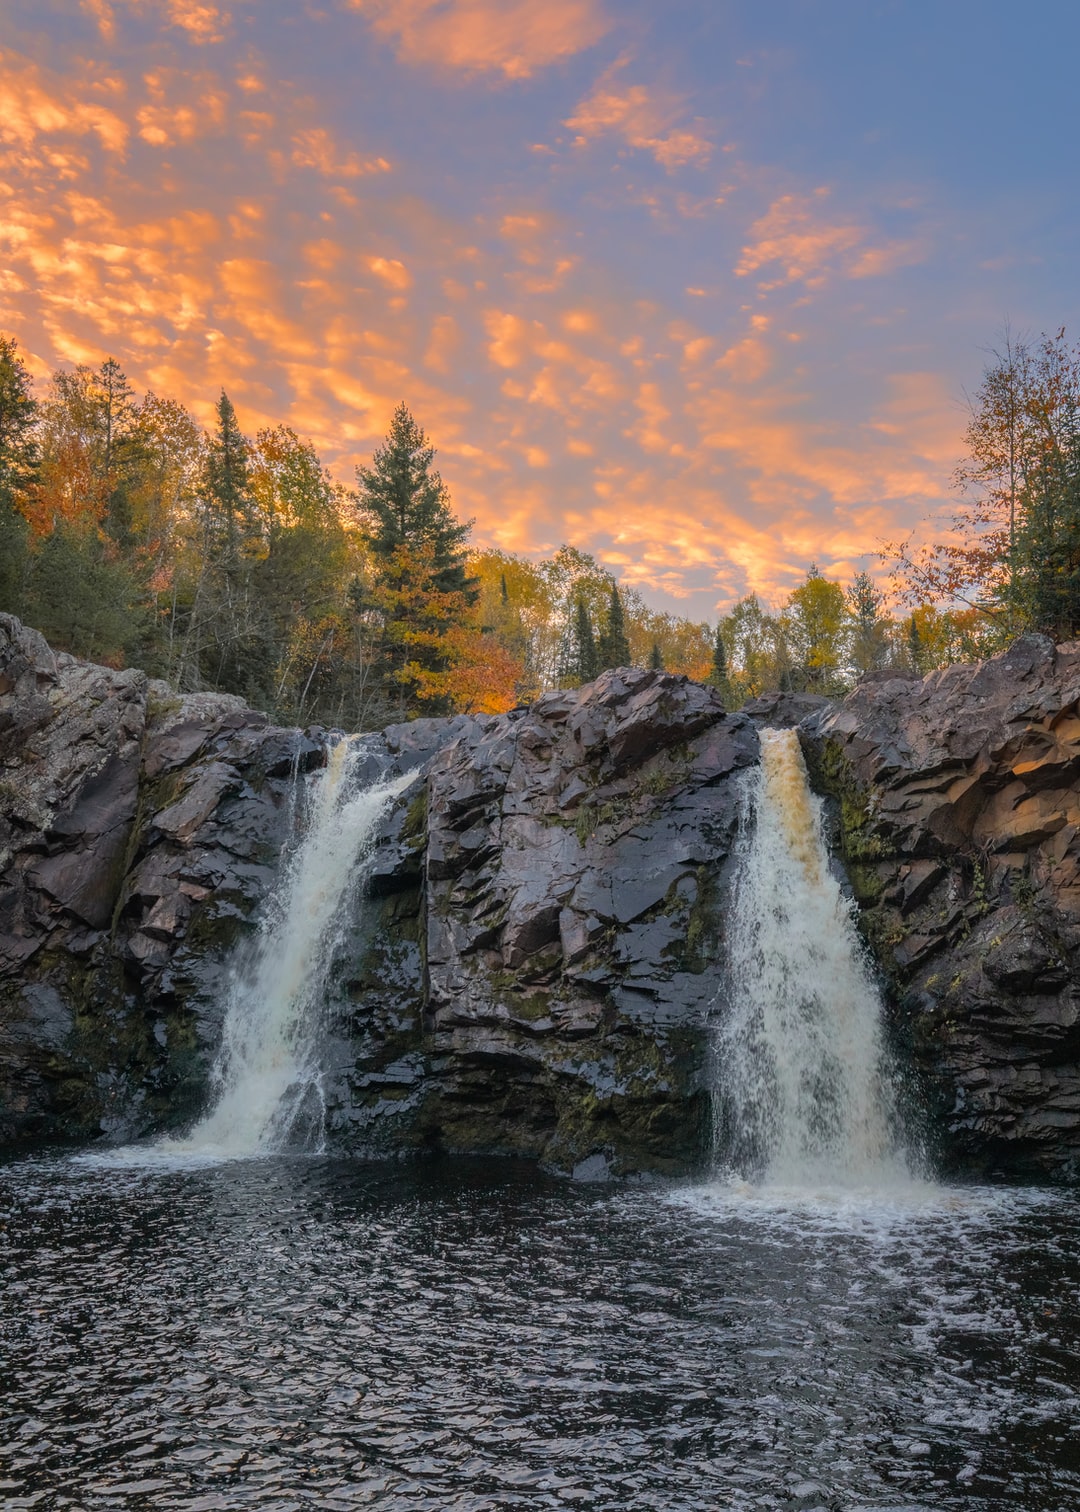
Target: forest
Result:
[219, 561]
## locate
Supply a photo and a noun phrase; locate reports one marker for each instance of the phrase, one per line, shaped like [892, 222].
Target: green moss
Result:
[831, 772]
[414, 827]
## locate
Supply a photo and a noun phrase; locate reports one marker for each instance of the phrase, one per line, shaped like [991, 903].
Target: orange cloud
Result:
[33, 105]
[315, 148]
[796, 232]
[163, 121]
[645, 119]
[511, 37]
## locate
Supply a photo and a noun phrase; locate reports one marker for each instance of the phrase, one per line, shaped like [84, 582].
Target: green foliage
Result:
[656, 658]
[613, 648]
[403, 501]
[19, 447]
[585, 662]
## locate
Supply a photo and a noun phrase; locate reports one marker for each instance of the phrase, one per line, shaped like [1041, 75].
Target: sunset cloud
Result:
[587, 341]
[511, 37]
[644, 118]
[33, 105]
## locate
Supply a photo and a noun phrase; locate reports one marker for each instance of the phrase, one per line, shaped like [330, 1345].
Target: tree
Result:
[613, 649]
[656, 658]
[403, 501]
[1015, 552]
[19, 462]
[718, 672]
[586, 661]
[869, 632]
[815, 622]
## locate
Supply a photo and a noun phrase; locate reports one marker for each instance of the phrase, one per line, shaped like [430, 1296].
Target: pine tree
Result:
[404, 502]
[869, 637]
[614, 648]
[420, 585]
[718, 672]
[656, 658]
[228, 486]
[19, 461]
[19, 455]
[586, 659]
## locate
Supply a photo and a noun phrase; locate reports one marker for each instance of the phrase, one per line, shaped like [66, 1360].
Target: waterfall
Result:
[267, 1081]
[804, 1096]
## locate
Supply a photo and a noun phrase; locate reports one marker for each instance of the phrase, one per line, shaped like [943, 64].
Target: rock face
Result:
[564, 900]
[531, 972]
[541, 938]
[959, 821]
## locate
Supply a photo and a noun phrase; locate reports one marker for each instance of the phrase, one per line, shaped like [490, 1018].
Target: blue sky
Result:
[698, 287]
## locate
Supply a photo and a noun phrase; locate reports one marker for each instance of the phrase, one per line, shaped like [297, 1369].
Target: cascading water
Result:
[804, 1094]
[267, 1081]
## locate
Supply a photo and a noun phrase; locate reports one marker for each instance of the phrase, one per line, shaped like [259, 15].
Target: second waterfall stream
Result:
[267, 1085]
[804, 1093]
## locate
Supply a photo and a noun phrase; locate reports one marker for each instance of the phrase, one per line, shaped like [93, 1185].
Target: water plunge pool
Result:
[299, 1333]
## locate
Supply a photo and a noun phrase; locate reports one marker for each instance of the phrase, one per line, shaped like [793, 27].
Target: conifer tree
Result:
[656, 658]
[228, 486]
[718, 672]
[586, 660]
[19, 460]
[405, 503]
[614, 648]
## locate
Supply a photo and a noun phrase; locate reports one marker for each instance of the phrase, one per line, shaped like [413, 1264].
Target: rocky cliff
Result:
[541, 941]
[531, 972]
[958, 812]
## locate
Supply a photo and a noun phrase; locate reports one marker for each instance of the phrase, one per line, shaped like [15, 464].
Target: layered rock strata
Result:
[959, 822]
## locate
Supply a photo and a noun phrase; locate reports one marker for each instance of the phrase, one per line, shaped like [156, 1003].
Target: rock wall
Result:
[958, 815]
[542, 937]
[532, 969]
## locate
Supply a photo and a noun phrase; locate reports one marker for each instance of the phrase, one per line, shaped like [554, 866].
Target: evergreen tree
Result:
[420, 585]
[586, 659]
[228, 478]
[719, 676]
[656, 658]
[19, 461]
[614, 648]
[869, 635]
[404, 502]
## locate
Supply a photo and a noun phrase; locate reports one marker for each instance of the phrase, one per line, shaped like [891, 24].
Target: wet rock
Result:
[958, 812]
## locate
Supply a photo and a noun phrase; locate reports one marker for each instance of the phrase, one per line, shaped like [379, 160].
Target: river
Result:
[301, 1333]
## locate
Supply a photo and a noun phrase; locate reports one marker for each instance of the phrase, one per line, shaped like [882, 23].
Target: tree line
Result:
[216, 560]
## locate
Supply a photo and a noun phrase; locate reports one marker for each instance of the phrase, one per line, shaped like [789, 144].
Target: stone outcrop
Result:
[532, 970]
[559, 919]
[958, 811]
[541, 941]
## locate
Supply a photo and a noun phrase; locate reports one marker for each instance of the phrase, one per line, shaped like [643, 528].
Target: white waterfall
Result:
[267, 1078]
[803, 1089]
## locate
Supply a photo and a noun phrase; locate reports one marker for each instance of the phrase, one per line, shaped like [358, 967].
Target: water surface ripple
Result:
[290, 1334]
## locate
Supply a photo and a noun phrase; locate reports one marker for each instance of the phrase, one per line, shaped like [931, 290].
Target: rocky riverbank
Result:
[542, 939]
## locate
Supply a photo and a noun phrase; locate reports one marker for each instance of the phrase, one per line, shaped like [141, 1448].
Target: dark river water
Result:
[307, 1334]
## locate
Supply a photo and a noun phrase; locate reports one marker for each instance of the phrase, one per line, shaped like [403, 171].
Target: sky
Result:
[699, 286]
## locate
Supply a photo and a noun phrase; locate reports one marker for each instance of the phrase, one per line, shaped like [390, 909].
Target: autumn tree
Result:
[815, 624]
[1014, 551]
